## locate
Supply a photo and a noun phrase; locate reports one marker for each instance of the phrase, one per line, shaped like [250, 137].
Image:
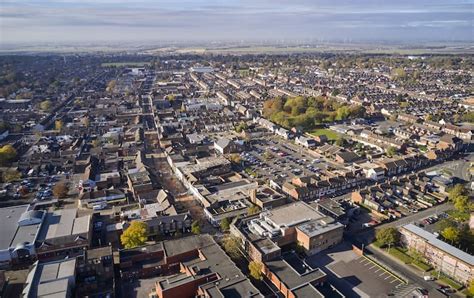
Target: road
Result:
[367, 236]
[457, 168]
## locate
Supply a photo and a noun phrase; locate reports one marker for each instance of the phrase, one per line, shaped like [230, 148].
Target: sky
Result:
[233, 20]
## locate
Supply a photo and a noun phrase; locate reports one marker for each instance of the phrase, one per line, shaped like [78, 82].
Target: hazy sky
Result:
[148, 20]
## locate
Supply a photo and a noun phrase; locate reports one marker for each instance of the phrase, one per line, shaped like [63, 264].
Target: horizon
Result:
[208, 21]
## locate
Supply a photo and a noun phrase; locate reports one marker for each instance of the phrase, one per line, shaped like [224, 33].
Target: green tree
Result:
[456, 191]
[342, 113]
[45, 105]
[7, 154]
[387, 236]
[254, 209]
[232, 246]
[255, 269]
[341, 142]
[462, 203]
[195, 228]
[135, 235]
[391, 151]
[225, 224]
[451, 234]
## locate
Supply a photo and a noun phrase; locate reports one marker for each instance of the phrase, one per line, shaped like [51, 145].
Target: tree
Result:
[235, 158]
[7, 154]
[195, 228]
[135, 235]
[58, 125]
[241, 127]
[399, 73]
[462, 204]
[340, 142]
[11, 175]
[456, 191]
[388, 236]
[470, 289]
[225, 224]
[253, 210]
[391, 151]
[232, 246]
[451, 234]
[111, 85]
[45, 105]
[255, 269]
[60, 190]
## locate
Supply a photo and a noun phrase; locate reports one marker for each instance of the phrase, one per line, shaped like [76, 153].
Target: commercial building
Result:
[19, 227]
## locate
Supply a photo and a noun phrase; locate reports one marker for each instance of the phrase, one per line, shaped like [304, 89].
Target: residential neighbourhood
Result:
[188, 175]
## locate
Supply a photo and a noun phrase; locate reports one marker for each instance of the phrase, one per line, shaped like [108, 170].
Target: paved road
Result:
[458, 168]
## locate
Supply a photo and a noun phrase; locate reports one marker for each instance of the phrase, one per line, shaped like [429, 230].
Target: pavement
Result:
[354, 275]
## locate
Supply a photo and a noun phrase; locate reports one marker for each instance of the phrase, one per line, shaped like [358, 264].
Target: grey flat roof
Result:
[292, 214]
[62, 223]
[319, 226]
[293, 272]
[11, 233]
[455, 252]
[50, 279]
[307, 291]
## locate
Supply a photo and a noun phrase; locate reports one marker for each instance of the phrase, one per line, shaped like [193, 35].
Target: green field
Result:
[331, 134]
[124, 64]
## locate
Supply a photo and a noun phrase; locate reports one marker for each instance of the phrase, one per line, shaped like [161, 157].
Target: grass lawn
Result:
[331, 134]
[447, 280]
[421, 265]
[394, 251]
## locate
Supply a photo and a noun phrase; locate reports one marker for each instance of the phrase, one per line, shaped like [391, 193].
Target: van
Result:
[100, 206]
[428, 277]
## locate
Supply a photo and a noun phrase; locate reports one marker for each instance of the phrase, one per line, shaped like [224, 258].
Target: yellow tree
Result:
[45, 105]
[255, 269]
[58, 125]
[135, 235]
[7, 154]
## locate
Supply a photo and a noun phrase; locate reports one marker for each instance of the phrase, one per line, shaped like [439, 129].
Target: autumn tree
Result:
[135, 235]
[387, 236]
[60, 190]
[58, 125]
[255, 269]
[195, 228]
[11, 175]
[45, 105]
[232, 246]
[7, 154]
[111, 85]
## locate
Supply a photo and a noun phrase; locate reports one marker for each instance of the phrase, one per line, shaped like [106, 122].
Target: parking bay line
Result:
[373, 266]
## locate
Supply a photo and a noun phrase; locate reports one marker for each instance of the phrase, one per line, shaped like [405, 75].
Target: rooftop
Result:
[292, 214]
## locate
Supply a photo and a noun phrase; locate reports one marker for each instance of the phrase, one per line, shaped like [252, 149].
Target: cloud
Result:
[66, 20]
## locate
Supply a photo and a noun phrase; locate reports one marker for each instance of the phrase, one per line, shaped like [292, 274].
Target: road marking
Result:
[387, 277]
[368, 263]
[377, 270]
[382, 273]
[393, 281]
